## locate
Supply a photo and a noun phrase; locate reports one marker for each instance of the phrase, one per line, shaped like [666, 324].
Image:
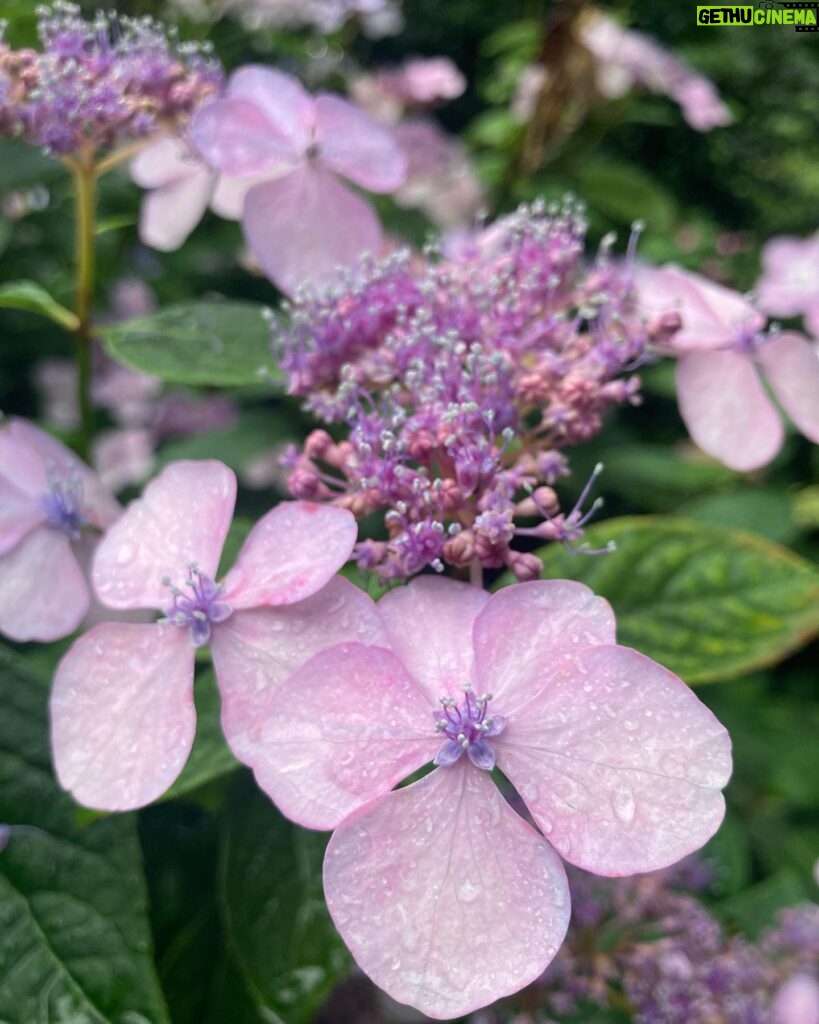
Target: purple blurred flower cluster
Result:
[648, 944]
[461, 381]
[99, 82]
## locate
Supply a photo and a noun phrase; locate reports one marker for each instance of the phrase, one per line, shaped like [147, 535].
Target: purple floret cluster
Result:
[96, 83]
[461, 379]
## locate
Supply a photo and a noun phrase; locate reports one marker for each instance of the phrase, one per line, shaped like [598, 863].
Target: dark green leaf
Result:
[74, 938]
[223, 344]
[31, 297]
[21, 164]
[765, 511]
[626, 193]
[708, 603]
[281, 932]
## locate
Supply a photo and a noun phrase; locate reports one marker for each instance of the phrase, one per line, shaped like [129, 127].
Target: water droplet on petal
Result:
[623, 805]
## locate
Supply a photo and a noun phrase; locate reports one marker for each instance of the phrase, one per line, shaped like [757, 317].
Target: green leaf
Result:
[74, 938]
[31, 297]
[708, 603]
[221, 344]
[210, 757]
[21, 164]
[766, 511]
[281, 933]
[626, 193]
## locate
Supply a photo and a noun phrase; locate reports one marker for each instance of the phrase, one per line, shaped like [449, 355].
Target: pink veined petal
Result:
[619, 763]
[228, 198]
[182, 518]
[290, 554]
[163, 162]
[255, 650]
[168, 214]
[305, 227]
[20, 445]
[122, 714]
[234, 136]
[43, 592]
[344, 728]
[446, 898]
[352, 144]
[726, 409]
[527, 629]
[19, 514]
[282, 99]
[791, 364]
[429, 623]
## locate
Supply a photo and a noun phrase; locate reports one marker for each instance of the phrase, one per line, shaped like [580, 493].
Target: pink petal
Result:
[235, 137]
[791, 364]
[345, 728]
[290, 554]
[304, 227]
[726, 409]
[29, 456]
[19, 514]
[352, 144]
[43, 592]
[429, 623]
[288, 108]
[228, 198]
[164, 162]
[528, 627]
[122, 714]
[254, 651]
[619, 763]
[797, 1001]
[446, 898]
[182, 518]
[168, 214]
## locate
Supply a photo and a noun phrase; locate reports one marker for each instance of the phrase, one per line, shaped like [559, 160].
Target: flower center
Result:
[467, 730]
[62, 504]
[198, 610]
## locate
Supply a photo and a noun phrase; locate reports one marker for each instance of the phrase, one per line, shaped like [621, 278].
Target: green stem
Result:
[85, 180]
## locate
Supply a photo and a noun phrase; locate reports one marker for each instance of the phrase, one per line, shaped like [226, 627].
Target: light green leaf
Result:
[281, 933]
[74, 939]
[221, 344]
[31, 297]
[708, 603]
[626, 193]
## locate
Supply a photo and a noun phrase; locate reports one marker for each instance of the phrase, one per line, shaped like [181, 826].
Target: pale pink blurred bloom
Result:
[722, 358]
[180, 189]
[301, 224]
[266, 469]
[448, 898]
[122, 710]
[530, 85]
[627, 59]
[797, 1001]
[123, 457]
[423, 81]
[440, 178]
[789, 284]
[377, 17]
[50, 502]
[131, 297]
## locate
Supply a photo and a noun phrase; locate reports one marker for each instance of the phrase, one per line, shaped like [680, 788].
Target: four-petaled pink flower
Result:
[447, 897]
[789, 284]
[302, 225]
[122, 711]
[51, 508]
[721, 355]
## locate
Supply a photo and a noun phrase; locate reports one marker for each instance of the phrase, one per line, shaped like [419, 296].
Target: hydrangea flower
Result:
[447, 898]
[722, 357]
[301, 224]
[797, 1001]
[100, 82]
[51, 505]
[122, 710]
[790, 276]
[181, 187]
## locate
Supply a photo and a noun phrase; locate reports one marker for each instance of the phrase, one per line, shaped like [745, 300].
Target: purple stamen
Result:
[201, 610]
[63, 506]
[467, 729]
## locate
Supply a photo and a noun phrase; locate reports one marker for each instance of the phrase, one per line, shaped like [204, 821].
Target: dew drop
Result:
[125, 553]
[467, 892]
[623, 805]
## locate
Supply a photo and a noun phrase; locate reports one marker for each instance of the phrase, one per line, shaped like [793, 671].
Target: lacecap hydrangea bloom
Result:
[100, 82]
[723, 354]
[446, 896]
[300, 222]
[789, 285]
[122, 710]
[52, 509]
[461, 381]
